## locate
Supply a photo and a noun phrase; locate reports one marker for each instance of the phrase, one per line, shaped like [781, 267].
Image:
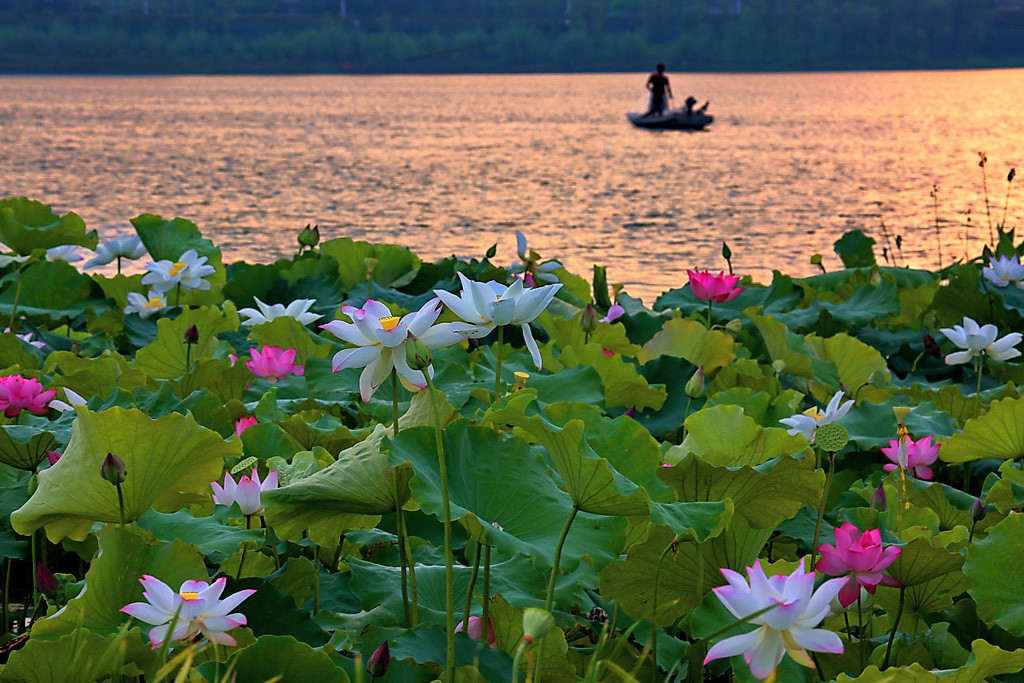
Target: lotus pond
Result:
[353, 465]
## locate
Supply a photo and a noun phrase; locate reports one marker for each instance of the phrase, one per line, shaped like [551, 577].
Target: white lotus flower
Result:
[28, 338]
[380, 340]
[145, 306]
[975, 339]
[246, 492]
[188, 271]
[530, 265]
[807, 423]
[198, 606]
[298, 309]
[122, 246]
[787, 628]
[486, 305]
[73, 399]
[65, 252]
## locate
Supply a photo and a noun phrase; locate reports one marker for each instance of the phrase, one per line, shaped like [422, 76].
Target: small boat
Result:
[674, 119]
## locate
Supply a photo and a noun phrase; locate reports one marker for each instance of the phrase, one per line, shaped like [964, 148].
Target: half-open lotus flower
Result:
[298, 309]
[379, 339]
[912, 456]
[188, 271]
[147, 305]
[717, 288]
[65, 252]
[243, 423]
[73, 399]
[787, 628]
[807, 423]
[977, 339]
[122, 246]
[614, 313]
[529, 265]
[485, 305]
[476, 630]
[1004, 271]
[862, 557]
[273, 363]
[246, 492]
[28, 338]
[198, 606]
[18, 394]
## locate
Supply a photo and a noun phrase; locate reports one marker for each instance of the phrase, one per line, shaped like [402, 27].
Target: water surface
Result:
[453, 164]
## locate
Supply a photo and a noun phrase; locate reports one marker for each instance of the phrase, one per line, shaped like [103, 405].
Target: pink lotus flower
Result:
[197, 605]
[862, 556]
[476, 631]
[614, 313]
[53, 457]
[18, 393]
[717, 288]
[913, 456]
[246, 492]
[273, 363]
[244, 423]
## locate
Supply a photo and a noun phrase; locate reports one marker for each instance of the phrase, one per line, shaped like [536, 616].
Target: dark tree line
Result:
[154, 36]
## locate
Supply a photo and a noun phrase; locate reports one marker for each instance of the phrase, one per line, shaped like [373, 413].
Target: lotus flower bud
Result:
[380, 660]
[53, 457]
[476, 630]
[309, 236]
[695, 386]
[726, 252]
[588, 319]
[46, 581]
[192, 335]
[491, 251]
[417, 355]
[978, 510]
[1011, 175]
[931, 347]
[537, 623]
[878, 500]
[113, 469]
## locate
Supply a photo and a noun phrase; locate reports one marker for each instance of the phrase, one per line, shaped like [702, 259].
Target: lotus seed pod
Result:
[417, 355]
[831, 437]
[901, 413]
[778, 366]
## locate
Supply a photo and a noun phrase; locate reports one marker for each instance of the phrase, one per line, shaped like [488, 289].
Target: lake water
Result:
[452, 164]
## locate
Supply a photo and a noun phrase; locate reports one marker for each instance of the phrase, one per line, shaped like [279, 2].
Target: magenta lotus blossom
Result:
[717, 288]
[244, 423]
[273, 363]
[862, 556]
[476, 631]
[18, 393]
[246, 492]
[787, 628]
[198, 606]
[912, 456]
[614, 313]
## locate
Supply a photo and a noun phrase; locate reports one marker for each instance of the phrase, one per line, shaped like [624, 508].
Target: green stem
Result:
[6, 604]
[970, 536]
[978, 366]
[892, 634]
[177, 295]
[14, 308]
[316, 585]
[487, 589]
[35, 574]
[913, 368]
[860, 632]
[403, 558]
[821, 506]
[498, 354]
[245, 546]
[449, 571]
[120, 504]
[412, 566]
[188, 356]
[550, 600]
[118, 265]
[710, 304]
[516, 660]
[394, 399]
[270, 540]
[469, 593]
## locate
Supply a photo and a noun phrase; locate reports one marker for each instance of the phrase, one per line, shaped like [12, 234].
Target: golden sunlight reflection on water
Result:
[452, 164]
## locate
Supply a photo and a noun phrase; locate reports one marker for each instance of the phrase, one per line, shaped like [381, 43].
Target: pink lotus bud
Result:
[113, 469]
[46, 581]
[476, 628]
[53, 457]
[379, 661]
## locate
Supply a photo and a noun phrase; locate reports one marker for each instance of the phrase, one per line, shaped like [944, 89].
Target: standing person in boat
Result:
[657, 84]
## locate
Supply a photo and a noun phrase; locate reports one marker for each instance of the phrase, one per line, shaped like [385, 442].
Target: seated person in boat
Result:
[657, 84]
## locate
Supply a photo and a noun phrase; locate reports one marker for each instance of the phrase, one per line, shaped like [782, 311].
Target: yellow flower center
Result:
[819, 416]
[389, 323]
[176, 268]
[190, 595]
[155, 302]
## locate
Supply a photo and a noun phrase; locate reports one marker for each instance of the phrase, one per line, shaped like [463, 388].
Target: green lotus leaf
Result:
[746, 373]
[320, 431]
[113, 580]
[566, 332]
[623, 385]
[223, 379]
[631, 582]
[510, 486]
[986, 662]
[170, 462]
[296, 578]
[119, 286]
[1007, 491]
[951, 400]
[26, 225]
[999, 433]
[855, 249]
[922, 561]
[288, 333]
[759, 406]
[789, 347]
[592, 483]
[782, 295]
[854, 360]
[763, 496]
[993, 574]
[269, 612]
[166, 357]
[80, 655]
[508, 632]
[425, 644]
[168, 240]
[24, 447]
[693, 521]
[395, 266]
[14, 354]
[693, 341]
[92, 376]
[53, 290]
[283, 657]
[209, 534]
[723, 435]
[868, 303]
